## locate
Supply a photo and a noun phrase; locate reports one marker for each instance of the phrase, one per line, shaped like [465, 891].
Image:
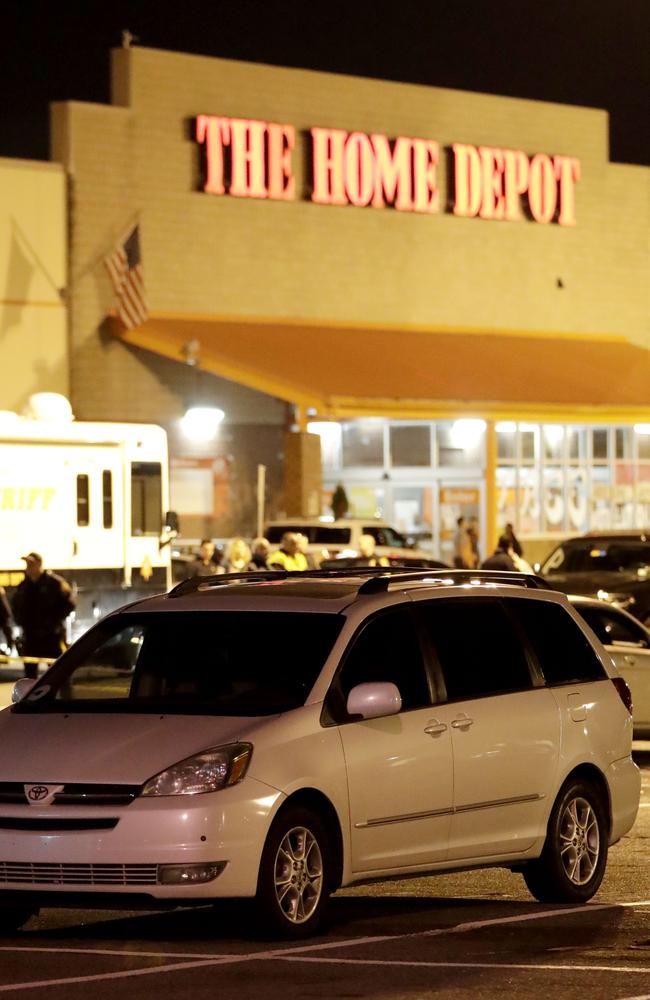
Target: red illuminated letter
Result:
[328, 146]
[492, 166]
[515, 182]
[467, 179]
[282, 183]
[214, 132]
[542, 188]
[247, 148]
[359, 169]
[425, 162]
[393, 173]
[567, 171]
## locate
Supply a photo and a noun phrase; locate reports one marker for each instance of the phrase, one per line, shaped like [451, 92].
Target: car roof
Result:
[330, 591]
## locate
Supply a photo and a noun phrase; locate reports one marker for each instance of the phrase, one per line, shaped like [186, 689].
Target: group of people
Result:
[39, 607]
[508, 554]
[292, 555]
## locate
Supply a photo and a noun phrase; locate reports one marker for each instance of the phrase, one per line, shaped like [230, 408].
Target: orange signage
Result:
[253, 159]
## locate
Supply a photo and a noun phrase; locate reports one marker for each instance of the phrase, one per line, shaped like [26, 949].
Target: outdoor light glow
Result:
[200, 423]
[506, 427]
[467, 433]
[642, 428]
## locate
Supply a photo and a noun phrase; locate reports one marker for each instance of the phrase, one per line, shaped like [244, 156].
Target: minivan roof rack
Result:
[455, 577]
[379, 578]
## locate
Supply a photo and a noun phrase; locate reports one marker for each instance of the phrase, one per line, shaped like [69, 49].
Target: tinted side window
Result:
[612, 627]
[477, 646]
[564, 653]
[387, 649]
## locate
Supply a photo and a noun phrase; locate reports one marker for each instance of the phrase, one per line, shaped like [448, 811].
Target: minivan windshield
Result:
[240, 663]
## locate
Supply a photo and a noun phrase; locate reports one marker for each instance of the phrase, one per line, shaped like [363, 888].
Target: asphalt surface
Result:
[474, 934]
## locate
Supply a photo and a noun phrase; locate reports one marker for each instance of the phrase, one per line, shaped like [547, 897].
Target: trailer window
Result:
[107, 498]
[146, 498]
[83, 501]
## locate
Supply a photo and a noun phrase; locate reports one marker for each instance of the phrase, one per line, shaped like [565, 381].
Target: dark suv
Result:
[611, 566]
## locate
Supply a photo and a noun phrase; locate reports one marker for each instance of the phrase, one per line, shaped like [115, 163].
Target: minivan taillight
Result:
[624, 691]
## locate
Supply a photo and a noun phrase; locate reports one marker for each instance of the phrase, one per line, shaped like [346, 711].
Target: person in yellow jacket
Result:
[288, 555]
[367, 555]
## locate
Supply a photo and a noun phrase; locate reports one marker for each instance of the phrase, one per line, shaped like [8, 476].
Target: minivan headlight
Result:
[207, 771]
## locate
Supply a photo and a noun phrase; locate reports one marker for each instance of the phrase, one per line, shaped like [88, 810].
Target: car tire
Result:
[14, 917]
[572, 863]
[295, 876]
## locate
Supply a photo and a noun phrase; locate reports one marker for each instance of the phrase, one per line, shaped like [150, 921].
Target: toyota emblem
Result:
[41, 795]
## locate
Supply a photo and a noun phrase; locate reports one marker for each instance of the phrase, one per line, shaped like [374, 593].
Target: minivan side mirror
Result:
[374, 700]
[21, 688]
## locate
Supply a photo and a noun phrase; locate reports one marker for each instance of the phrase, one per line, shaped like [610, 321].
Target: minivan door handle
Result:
[464, 722]
[435, 728]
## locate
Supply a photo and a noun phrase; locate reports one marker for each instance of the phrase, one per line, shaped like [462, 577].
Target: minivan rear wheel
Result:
[572, 864]
[295, 876]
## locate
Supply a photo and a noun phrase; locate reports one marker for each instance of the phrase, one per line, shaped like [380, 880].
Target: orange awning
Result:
[340, 370]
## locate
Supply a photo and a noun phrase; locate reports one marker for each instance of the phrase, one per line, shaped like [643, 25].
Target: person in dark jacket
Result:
[41, 603]
[501, 558]
[6, 621]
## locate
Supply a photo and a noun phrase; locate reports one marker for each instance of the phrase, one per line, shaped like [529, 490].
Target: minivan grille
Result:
[79, 794]
[80, 874]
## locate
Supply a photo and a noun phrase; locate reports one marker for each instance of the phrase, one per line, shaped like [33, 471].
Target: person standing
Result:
[203, 563]
[509, 532]
[367, 555]
[41, 603]
[261, 549]
[463, 555]
[238, 556]
[287, 556]
[501, 558]
[6, 621]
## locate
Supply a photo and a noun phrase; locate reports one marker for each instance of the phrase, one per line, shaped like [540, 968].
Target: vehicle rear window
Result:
[597, 556]
[316, 534]
[563, 651]
[211, 663]
[477, 646]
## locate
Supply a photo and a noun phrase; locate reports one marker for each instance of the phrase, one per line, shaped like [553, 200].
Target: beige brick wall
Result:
[33, 314]
[222, 256]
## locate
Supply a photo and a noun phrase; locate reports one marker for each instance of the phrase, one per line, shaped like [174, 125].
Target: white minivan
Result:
[273, 739]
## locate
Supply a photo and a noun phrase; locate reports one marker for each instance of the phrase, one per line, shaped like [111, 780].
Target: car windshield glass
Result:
[212, 663]
[595, 557]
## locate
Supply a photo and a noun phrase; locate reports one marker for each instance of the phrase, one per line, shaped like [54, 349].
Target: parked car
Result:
[628, 643]
[340, 539]
[612, 566]
[277, 738]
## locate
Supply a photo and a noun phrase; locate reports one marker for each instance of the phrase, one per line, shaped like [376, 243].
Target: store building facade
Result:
[450, 289]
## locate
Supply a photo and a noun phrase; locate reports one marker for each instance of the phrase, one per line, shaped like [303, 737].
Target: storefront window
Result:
[600, 444]
[553, 498]
[506, 440]
[577, 496]
[528, 437]
[623, 436]
[363, 443]
[601, 501]
[528, 502]
[412, 513]
[461, 443]
[410, 444]
[577, 444]
[553, 436]
[506, 496]
[643, 443]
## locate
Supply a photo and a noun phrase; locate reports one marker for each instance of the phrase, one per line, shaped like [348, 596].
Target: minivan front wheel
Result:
[572, 864]
[295, 874]
[14, 917]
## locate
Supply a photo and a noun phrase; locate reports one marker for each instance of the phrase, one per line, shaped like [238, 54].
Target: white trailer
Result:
[92, 499]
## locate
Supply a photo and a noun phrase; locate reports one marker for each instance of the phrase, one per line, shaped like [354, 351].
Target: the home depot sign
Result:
[254, 159]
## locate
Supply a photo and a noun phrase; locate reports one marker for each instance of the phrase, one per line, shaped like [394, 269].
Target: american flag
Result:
[124, 266]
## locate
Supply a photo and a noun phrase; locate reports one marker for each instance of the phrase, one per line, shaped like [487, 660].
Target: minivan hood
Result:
[116, 749]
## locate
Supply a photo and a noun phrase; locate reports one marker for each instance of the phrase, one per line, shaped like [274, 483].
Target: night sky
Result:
[588, 52]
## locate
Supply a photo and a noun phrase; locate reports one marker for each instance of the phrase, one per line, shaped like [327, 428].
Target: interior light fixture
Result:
[466, 433]
[201, 423]
[642, 428]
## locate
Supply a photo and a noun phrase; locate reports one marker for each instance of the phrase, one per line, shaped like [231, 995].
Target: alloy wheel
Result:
[298, 874]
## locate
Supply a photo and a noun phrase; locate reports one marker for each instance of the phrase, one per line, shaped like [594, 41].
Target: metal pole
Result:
[261, 490]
